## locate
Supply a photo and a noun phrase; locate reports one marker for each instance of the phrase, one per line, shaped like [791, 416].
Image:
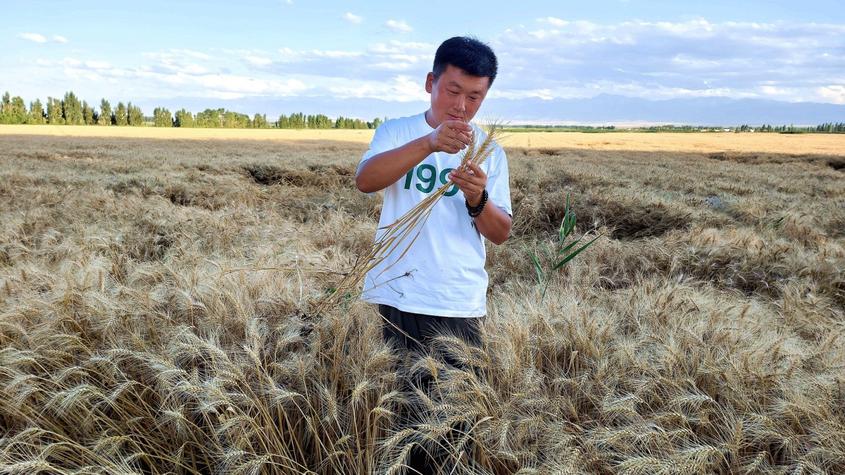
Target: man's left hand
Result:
[471, 181]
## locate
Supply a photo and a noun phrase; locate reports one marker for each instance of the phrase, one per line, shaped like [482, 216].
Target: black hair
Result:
[467, 53]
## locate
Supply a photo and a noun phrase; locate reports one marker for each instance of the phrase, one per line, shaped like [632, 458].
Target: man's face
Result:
[455, 95]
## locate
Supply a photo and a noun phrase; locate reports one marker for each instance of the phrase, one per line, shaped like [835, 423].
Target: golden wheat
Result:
[142, 332]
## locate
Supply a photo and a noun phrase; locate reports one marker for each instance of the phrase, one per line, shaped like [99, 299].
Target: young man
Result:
[440, 283]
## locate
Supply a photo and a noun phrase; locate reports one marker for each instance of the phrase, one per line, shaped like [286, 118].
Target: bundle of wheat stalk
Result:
[405, 230]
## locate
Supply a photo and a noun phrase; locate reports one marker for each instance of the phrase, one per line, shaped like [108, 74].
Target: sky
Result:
[253, 50]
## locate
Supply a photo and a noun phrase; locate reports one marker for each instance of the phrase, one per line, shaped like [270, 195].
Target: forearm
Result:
[383, 169]
[493, 223]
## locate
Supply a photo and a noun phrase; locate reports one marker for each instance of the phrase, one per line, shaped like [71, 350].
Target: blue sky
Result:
[160, 52]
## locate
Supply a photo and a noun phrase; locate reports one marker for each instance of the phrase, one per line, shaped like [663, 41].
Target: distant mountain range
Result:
[602, 109]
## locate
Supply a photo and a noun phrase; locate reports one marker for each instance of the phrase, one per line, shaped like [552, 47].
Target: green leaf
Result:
[538, 269]
[571, 256]
[568, 246]
[569, 222]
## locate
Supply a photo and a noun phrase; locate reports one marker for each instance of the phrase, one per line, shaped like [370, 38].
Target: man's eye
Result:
[473, 98]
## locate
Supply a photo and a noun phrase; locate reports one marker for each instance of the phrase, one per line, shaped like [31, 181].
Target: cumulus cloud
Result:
[353, 18]
[548, 58]
[378, 61]
[834, 93]
[34, 37]
[399, 26]
[693, 58]
[39, 38]
[258, 60]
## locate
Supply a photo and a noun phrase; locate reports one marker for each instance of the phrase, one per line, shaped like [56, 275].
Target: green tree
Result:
[183, 119]
[121, 117]
[17, 111]
[134, 116]
[88, 114]
[54, 111]
[259, 121]
[105, 113]
[72, 109]
[297, 120]
[210, 118]
[162, 117]
[283, 122]
[36, 112]
[5, 108]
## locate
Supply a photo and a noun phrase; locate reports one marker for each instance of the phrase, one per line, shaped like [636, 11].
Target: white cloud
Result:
[399, 26]
[402, 47]
[693, 58]
[554, 21]
[353, 18]
[834, 93]
[258, 60]
[400, 88]
[549, 58]
[97, 64]
[39, 38]
[35, 37]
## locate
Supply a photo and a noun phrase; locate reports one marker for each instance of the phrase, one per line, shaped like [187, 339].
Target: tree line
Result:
[826, 128]
[71, 111]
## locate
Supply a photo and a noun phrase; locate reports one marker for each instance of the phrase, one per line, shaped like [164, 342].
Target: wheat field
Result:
[156, 297]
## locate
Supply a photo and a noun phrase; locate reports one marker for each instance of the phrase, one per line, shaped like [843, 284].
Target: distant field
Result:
[156, 309]
[683, 142]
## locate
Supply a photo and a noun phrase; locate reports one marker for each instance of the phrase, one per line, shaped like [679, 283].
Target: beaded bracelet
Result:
[476, 210]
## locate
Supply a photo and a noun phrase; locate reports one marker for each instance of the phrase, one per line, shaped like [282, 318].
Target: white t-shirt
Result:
[442, 273]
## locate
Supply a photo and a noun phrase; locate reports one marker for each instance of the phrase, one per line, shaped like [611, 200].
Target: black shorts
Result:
[423, 328]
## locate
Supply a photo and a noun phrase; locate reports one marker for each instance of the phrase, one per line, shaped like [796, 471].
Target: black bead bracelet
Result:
[476, 210]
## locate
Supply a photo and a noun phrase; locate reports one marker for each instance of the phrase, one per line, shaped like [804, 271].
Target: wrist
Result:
[473, 201]
[475, 209]
[430, 144]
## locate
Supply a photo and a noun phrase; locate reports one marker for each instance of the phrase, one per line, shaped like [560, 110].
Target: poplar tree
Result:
[105, 113]
[259, 121]
[87, 114]
[17, 111]
[162, 117]
[283, 122]
[36, 112]
[135, 117]
[72, 109]
[54, 111]
[5, 107]
[183, 119]
[120, 115]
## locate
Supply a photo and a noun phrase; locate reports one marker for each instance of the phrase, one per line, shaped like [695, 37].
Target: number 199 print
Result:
[428, 177]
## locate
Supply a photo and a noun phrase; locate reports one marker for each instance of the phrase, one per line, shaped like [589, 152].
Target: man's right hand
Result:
[451, 136]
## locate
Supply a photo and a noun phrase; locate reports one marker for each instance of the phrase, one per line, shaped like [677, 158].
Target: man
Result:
[440, 284]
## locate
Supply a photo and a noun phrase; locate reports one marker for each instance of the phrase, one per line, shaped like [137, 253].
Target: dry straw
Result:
[401, 234]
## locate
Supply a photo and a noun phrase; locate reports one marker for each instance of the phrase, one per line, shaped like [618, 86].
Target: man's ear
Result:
[429, 82]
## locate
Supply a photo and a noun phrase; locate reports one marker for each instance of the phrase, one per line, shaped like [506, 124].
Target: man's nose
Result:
[462, 102]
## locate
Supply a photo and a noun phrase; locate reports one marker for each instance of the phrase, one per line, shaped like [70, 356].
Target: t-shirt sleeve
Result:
[382, 141]
[498, 181]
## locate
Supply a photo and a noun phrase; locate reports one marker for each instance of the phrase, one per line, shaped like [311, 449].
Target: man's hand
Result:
[451, 136]
[471, 181]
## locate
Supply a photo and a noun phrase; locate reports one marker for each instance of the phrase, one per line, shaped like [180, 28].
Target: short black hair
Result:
[467, 53]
